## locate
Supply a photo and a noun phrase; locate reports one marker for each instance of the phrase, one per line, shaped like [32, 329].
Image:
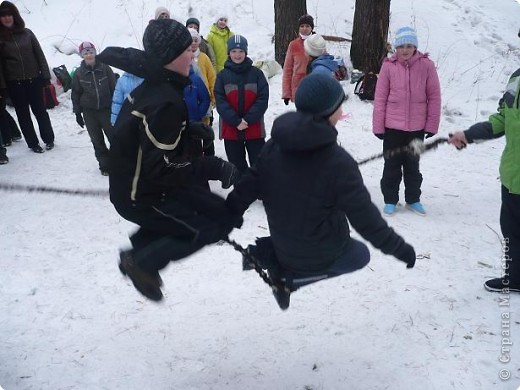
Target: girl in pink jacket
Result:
[407, 106]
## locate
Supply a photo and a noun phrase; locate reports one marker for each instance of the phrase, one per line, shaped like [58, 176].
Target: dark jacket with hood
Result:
[311, 188]
[21, 55]
[152, 153]
[92, 87]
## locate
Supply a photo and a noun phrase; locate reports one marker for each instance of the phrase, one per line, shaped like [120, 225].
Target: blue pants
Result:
[354, 257]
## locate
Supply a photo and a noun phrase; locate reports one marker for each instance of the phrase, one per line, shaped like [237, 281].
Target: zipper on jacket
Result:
[20, 54]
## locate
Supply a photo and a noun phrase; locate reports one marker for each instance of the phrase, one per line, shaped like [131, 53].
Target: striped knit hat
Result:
[406, 36]
[237, 42]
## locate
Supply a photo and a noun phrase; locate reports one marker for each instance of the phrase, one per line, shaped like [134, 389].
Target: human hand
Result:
[458, 140]
[406, 253]
[243, 125]
[380, 136]
[286, 101]
[429, 135]
[79, 120]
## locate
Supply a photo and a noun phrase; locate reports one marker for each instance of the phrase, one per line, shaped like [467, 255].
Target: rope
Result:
[416, 148]
[52, 190]
[275, 285]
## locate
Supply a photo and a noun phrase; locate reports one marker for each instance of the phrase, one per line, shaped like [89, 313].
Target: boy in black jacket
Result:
[311, 189]
[157, 169]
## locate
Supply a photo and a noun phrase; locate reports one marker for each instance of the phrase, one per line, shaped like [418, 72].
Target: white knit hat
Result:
[194, 34]
[161, 10]
[315, 45]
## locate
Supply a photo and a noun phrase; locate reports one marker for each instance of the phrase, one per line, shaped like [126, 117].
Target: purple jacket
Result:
[408, 95]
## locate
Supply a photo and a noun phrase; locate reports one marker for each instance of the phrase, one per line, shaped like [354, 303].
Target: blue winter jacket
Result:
[126, 84]
[324, 64]
[196, 96]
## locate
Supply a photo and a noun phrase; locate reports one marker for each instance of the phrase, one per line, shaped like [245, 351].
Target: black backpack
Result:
[366, 86]
[62, 74]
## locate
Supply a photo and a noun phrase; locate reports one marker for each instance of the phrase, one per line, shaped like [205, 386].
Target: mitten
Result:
[286, 101]
[380, 136]
[199, 130]
[429, 135]
[228, 174]
[79, 120]
[406, 253]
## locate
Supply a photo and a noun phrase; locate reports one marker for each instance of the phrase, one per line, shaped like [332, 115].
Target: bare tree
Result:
[286, 15]
[369, 34]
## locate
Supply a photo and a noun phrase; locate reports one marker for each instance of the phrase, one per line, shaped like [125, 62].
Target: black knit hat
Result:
[306, 19]
[193, 21]
[166, 39]
[319, 94]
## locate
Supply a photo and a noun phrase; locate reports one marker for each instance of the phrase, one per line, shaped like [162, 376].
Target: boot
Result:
[146, 283]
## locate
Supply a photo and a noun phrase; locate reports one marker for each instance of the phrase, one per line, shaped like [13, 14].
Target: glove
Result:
[380, 136]
[429, 135]
[228, 174]
[199, 130]
[286, 101]
[79, 120]
[406, 253]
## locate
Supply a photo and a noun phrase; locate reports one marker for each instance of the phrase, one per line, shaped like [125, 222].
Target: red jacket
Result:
[294, 68]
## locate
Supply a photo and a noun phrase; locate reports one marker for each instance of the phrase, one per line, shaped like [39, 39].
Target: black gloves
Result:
[406, 253]
[380, 136]
[429, 135]
[79, 120]
[228, 174]
[199, 130]
[286, 101]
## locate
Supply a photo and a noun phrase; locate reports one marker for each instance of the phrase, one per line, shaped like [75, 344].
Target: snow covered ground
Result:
[69, 320]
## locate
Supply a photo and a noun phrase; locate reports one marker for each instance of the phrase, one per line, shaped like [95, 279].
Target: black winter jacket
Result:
[92, 87]
[310, 186]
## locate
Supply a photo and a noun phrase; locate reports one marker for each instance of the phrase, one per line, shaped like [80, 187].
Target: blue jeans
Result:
[354, 257]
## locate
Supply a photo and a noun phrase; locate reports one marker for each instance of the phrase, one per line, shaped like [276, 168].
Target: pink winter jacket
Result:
[294, 68]
[408, 95]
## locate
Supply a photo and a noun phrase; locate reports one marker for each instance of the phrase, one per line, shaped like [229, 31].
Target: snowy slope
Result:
[69, 320]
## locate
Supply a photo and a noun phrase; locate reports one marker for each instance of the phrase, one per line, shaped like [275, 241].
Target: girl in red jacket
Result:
[407, 106]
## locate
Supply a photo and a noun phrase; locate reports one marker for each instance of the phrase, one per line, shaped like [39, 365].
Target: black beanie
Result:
[306, 19]
[319, 94]
[193, 21]
[166, 39]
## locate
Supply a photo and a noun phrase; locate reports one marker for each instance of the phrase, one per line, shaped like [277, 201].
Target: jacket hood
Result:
[299, 132]
[413, 59]
[220, 31]
[8, 7]
[325, 60]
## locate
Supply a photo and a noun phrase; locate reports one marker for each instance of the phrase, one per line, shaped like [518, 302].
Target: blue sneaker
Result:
[416, 207]
[389, 209]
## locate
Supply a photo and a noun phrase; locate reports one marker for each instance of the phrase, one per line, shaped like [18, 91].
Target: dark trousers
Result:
[178, 226]
[8, 127]
[236, 152]
[510, 226]
[401, 165]
[25, 94]
[354, 257]
[97, 122]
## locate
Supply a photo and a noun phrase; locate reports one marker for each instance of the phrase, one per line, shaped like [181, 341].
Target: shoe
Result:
[229, 174]
[282, 296]
[501, 285]
[37, 149]
[389, 209]
[146, 283]
[16, 138]
[49, 146]
[3, 159]
[104, 172]
[8, 143]
[247, 264]
[416, 207]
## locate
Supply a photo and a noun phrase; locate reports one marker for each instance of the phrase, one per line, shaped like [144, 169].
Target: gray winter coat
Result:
[92, 88]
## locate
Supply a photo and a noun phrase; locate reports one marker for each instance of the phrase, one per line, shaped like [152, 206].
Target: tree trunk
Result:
[286, 15]
[370, 34]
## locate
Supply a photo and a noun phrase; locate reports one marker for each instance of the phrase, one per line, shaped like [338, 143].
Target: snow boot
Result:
[282, 296]
[416, 207]
[146, 283]
[501, 285]
[389, 209]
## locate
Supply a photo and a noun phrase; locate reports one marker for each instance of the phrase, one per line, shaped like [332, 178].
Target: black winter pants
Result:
[97, 122]
[178, 226]
[401, 165]
[25, 94]
[8, 126]
[236, 152]
[510, 226]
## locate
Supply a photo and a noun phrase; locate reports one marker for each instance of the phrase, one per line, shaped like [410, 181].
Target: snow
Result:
[69, 320]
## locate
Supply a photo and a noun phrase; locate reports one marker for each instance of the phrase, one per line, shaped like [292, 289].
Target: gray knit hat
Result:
[319, 94]
[166, 39]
